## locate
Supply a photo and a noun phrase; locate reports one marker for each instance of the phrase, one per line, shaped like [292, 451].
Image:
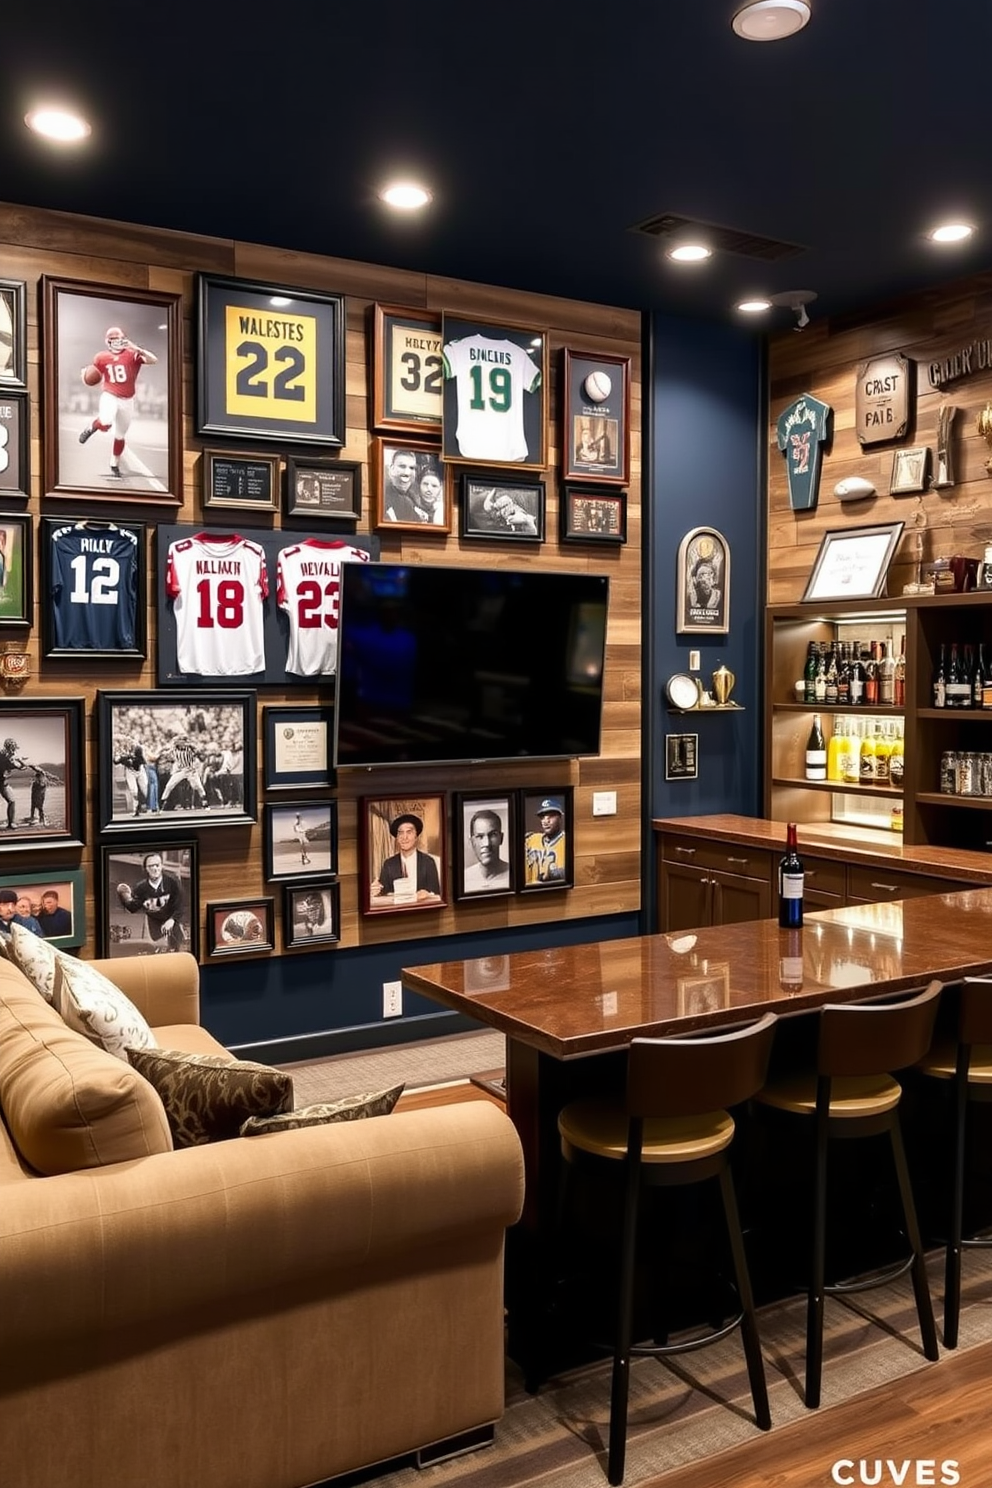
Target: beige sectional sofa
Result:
[264, 1312]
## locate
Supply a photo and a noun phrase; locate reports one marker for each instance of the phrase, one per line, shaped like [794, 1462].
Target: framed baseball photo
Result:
[16, 590]
[484, 846]
[240, 927]
[596, 516]
[93, 587]
[301, 841]
[311, 915]
[495, 394]
[269, 362]
[504, 510]
[702, 603]
[112, 384]
[412, 487]
[407, 370]
[546, 828]
[297, 748]
[13, 334]
[42, 791]
[403, 856]
[240, 482]
[149, 898]
[171, 757]
[595, 440]
[52, 905]
[324, 488]
[15, 445]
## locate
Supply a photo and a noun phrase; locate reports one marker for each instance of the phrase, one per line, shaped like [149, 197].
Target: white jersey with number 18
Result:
[218, 584]
[491, 378]
[307, 588]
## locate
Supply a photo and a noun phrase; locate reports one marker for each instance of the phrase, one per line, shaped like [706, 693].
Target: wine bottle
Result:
[790, 883]
[857, 676]
[940, 681]
[820, 680]
[816, 752]
[844, 677]
[887, 676]
[809, 674]
[958, 690]
[900, 677]
[871, 676]
[790, 961]
[978, 679]
[830, 691]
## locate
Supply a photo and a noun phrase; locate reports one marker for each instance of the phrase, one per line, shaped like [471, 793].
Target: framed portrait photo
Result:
[269, 362]
[546, 828]
[412, 487]
[495, 394]
[403, 853]
[323, 488]
[55, 902]
[502, 510]
[240, 927]
[16, 590]
[484, 844]
[172, 757]
[93, 587]
[112, 384]
[702, 604]
[239, 481]
[301, 840]
[595, 441]
[704, 993]
[596, 516]
[853, 563]
[297, 748]
[910, 470]
[311, 915]
[149, 899]
[15, 445]
[13, 334]
[407, 370]
[42, 790]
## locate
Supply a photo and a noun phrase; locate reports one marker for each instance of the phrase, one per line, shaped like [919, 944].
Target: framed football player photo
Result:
[546, 828]
[484, 846]
[301, 840]
[168, 758]
[403, 853]
[240, 927]
[93, 587]
[502, 510]
[16, 589]
[42, 788]
[149, 898]
[311, 915]
[412, 487]
[15, 446]
[495, 393]
[13, 334]
[407, 370]
[595, 438]
[595, 516]
[112, 383]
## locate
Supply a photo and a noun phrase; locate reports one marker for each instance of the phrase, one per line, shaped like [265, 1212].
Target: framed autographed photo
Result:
[324, 488]
[546, 828]
[240, 927]
[55, 901]
[595, 440]
[93, 587]
[240, 481]
[505, 510]
[412, 487]
[112, 386]
[703, 583]
[407, 370]
[15, 445]
[595, 516]
[404, 863]
[484, 846]
[311, 915]
[149, 899]
[297, 748]
[301, 841]
[42, 793]
[15, 570]
[495, 394]
[269, 362]
[854, 562]
[13, 334]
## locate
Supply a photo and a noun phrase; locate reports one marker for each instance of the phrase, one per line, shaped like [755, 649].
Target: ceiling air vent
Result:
[721, 239]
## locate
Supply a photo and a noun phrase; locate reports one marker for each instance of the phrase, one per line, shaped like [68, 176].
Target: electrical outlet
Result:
[604, 803]
[392, 999]
[694, 661]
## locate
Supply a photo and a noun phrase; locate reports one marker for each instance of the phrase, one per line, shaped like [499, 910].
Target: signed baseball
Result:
[597, 387]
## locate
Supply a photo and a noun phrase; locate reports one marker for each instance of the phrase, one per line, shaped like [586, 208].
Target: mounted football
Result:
[92, 375]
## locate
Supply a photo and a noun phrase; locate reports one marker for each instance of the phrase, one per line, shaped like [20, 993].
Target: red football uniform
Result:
[120, 370]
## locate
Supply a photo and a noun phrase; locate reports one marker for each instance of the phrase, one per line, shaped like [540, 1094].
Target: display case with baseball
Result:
[595, 441]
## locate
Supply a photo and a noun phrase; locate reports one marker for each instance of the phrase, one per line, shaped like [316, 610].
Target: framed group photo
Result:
[93, 587]
[13, 334]
[15, 445]
[301, 840]
[112, 378]
[484, 845]
[596, 516]
[596, 427]
[323, 488]
[495, 393]
[16, 590]
[238, 481]
[407, 370]
[546, 829]
[42, 791]
[412, 487]
[149, 899]
[297, 747]
[403, 853]
[55, 902]
[311, 915]
[702, 605]
[504, 510]
[240, 927]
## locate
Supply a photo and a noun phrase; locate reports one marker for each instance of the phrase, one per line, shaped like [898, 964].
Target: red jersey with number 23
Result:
[307, 588]
[218, 584]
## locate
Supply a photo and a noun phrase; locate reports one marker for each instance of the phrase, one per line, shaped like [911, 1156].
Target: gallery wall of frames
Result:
[194, 436]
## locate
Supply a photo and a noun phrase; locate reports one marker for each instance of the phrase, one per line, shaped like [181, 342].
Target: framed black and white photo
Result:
[595, 440]
[239, 481]
[403, 853]
[702, 604]
[407, 370]
[503, 510]
[311, 915]
[13, 334]
[297, 748]
[15, 445]
[16, 588]
[171, 757]
[301, 840]
[52, 905]
[112, 382]
[595, 516]
[42, 790]
[323, 488]
[853, 562]
[269, 362]
[240, 927]
[484, 845]
[93, 587]
[149, 898]
[910, 470]
[546, 828]
[495, 393]
[412, 487]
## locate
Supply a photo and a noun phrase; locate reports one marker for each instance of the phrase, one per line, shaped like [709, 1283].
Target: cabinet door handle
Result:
[689, 852]
[744, 861]
[889, 888]
[811, 872]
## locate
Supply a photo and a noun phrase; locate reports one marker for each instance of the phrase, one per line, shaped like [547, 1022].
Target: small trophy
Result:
[944, 476]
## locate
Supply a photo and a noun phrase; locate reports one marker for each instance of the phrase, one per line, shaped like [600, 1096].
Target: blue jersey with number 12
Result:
[94, 596]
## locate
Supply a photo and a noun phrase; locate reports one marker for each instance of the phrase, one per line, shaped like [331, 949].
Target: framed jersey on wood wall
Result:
[495, 394]
[93, 587]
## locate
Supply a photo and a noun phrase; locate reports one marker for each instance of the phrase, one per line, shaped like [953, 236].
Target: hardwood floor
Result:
[443, 1095]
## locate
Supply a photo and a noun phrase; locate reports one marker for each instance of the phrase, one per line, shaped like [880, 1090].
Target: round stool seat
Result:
[941, 1063]
[850, 1095]
[600, 1127]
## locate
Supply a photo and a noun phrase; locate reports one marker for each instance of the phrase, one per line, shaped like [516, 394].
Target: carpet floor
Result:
[423, 1063]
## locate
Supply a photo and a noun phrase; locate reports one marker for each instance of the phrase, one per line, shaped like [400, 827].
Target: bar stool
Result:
[852, 1093]
[673, 1128]
[968, 1063]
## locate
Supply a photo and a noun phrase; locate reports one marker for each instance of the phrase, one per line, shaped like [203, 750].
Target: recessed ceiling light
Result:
[279, 302]
[952, 232]
[55, 123]
[770, 20]
[690, 253]
[753, 307]
[406, 195]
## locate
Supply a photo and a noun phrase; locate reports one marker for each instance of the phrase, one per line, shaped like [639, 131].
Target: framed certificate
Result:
[296, 752]
[854, 563]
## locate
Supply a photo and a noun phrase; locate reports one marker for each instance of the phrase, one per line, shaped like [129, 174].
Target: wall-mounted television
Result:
[455, 664]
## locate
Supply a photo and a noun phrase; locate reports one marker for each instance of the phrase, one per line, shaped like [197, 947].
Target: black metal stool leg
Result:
[924, 1306]
[814, 1300]
[620, 1388]
[749, 1323]
[952, 1255]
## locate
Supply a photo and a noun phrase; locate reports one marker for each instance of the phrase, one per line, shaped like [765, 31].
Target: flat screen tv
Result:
[455, 664]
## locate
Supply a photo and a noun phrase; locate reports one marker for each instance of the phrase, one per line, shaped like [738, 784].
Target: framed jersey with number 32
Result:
[269, 362]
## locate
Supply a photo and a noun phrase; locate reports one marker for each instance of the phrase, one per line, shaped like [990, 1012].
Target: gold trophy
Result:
[723, 682]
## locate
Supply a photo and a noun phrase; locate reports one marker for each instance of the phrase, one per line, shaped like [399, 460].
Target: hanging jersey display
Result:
[218, 584]
[491, 378]
[94, 587]
[308, 584]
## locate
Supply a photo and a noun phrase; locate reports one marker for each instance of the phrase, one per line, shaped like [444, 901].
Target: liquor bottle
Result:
[896, 760]
[790, 883]
[866, 759]
[809, 674]
[830, 691]
[871, 676]
[900, 677]
[978, 679]
[887, 676]
[940, 681]
[958, 690]
[857, 676]
[820, 680]
[883, 754]
[852, 754]
[844, 677]
[838, 746]
[816, 752]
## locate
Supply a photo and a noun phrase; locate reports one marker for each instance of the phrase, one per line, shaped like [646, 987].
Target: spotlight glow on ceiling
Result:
[56, 123]
[690, 253]
[406, 196]
[951, 232]
[753, 307]
[771, 20]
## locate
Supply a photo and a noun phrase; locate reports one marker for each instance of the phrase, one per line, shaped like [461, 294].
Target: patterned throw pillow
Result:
[349, 1108]
[93, 1006]
[208, 1098]
[34, 957]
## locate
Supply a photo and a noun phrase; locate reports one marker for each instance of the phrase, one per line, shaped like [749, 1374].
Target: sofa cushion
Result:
[68, 1104]
[208, 1098]
[348, 1108]
[34, 957]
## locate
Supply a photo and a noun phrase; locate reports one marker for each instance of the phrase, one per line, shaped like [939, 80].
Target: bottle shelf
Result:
[885, 791]
[851, 710]
[945, 798]
[951, 713]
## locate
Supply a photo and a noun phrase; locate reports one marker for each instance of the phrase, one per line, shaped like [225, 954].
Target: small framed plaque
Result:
[595, 516]
[881, 398]
[324, 488]
[681, 756]
[243, 482]
[296, 753]
[910, 470]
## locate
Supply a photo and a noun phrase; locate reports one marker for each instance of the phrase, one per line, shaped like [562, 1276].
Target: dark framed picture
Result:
[704, 993]
[910, 470]
[13, 334]
[484, 846]
[546, 827]
[595, 516]
[15, 443]
[311, 915]
[240, 481]
[53, 905]
[702, 604]
[240, 927]
[16, 590]
[112, 386]
[170, 757]
[407, 370]
[595, 440]
[149, 898]
[403, 853]
[42, 792]
[510, 511]
[301, 841]
[269, 362]
[297, 748]
[93, 587]
[853, 562]
[324, 488]
[495, 394]
[412, 487]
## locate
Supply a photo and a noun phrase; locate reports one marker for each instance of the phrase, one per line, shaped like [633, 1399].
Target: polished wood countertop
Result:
[831, 840]
[572, 1001]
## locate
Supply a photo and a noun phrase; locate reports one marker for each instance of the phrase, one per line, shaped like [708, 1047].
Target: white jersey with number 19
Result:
[218, 584]
[491, 378]
[307, 588]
